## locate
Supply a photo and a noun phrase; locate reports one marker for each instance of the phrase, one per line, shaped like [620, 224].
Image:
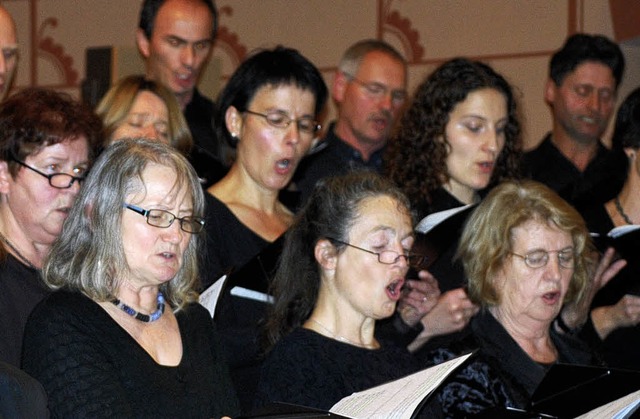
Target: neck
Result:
[237, 187]
[461, 193]
[580, 153]
[532, 336]
[141, 298]
[365, 148]
[626, 206]
[26, 250]
[352, 329]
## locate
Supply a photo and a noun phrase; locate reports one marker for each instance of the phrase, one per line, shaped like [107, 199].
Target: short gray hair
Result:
[89, 255]
[353, 56]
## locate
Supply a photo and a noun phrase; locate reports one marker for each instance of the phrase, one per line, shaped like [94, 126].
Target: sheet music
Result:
[251, 295]
[622, 230]
[209, 297]
[397, 399]
[617, 409]
[430, 221]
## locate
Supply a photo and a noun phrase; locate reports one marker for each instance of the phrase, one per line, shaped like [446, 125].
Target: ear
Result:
[339, 87]
[630, 152]
[233, 119]
[550, 91]
[5, 178]
[143, 43]
[326, 254]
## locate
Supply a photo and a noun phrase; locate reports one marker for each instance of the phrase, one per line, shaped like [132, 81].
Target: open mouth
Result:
[394, 289]
[283, 164]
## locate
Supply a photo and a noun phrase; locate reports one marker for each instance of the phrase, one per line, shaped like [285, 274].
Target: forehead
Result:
[284, 96]
[537, 234]
[160, 184]
[7, 29]
[147, 100]
[591, 73]
[482, 102]
[381, 213]
[379, 67]
[186, 19]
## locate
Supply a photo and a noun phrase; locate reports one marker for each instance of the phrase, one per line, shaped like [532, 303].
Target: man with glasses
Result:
[8, 51]
[369, 89]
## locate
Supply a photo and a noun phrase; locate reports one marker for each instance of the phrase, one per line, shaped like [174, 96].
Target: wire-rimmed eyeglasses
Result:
[57, 180]
[164, 219]
[539, 258]
[389, 257]
[281, 120]
[378, 90]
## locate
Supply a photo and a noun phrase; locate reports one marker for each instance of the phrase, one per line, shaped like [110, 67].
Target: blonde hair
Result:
[487, 239]
[117, 102]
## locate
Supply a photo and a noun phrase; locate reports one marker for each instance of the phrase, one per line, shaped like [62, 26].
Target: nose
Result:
[553, 269]
[188, 56]
[293, 133]
[173, 233]
[492, 141]
[150, 132]
[386, 101]
[595, 102]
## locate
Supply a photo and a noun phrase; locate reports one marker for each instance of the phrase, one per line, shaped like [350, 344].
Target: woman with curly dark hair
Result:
[460, 135]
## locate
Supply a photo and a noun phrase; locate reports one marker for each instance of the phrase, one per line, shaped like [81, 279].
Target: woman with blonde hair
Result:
[137, 107]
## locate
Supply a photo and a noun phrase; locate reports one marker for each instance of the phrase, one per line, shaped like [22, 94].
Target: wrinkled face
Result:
[364, 284]
[154, 255]
[534, 294]
[8, 52]
[475, 135]
[148, 118]
[267, 154]
[29, 203]
[584, 102]
[368, 117]
[179, 46]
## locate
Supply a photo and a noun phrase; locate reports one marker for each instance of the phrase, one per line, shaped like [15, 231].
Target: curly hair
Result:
[416, 160]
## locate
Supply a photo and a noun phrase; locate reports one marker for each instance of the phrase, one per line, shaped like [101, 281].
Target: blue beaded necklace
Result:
[147, 318]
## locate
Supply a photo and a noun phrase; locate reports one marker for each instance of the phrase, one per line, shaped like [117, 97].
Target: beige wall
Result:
[515, 36]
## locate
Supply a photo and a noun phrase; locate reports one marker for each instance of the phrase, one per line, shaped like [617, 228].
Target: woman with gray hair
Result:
[123, 336]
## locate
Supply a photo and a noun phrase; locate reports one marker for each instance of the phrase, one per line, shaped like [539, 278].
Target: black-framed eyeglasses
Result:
[277, 119]
[164, 219]
[539, 258]
[379, 91]
[389, 257]
[57, 180]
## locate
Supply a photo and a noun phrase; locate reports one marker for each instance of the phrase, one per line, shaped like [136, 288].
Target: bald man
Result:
[9, 49]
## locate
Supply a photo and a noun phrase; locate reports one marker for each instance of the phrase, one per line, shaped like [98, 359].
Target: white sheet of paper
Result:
[617, 409]
[209, 297]
[619, 231]
[251, 294]
[399, 398]
[430, 221]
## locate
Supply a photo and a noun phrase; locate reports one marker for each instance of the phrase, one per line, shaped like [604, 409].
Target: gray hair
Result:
[89, 255]
[353, 56]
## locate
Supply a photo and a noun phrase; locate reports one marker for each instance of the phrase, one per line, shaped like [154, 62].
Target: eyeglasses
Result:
[281, 120]
[389, 257]
[164, 219]
[539, 258]
[379, 91]
[57, 180]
